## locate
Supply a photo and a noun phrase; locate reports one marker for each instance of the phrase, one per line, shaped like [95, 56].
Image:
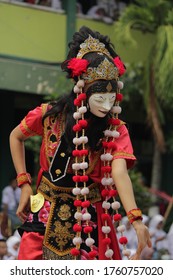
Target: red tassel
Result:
[105, 217]
[80, 153]
[75, 252]
[119, 97]
[77, 203]
[77, 66]
[123, 240]
[93, 254]
[113, 121]
[113, 193]
[83, 123]
[117, 217]
[83, 152]
[104, 193]
[106, 241]
[86, 203]
[106, 169]
[77, 127]
[77, 102]
[83, 178]
[112, 145]
[88, 229]
[82, 96]
[77, 228]
[76, 153]
[76, 178]
[120, 65]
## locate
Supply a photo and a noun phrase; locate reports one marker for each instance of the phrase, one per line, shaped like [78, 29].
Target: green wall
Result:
[30, 32]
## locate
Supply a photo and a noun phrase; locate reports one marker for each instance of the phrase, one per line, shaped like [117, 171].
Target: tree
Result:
[154, 17]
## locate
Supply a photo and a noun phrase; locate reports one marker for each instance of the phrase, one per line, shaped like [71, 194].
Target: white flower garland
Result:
[82, 213]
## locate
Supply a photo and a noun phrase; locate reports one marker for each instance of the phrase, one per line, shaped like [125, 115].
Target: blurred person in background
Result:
[170, 241]
[13, 243]
[158, 235]
[4, 254]
[9, 204]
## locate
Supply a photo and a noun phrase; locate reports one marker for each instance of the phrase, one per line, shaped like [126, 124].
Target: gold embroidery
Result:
[51, 191]
[57, 126]
[36, 202]
[59, 233]
[27, 129]
[50, 255]
[62, 234]
[109, 87]
[62, 154]
[58, 172]
[124, 154]
[64, 212]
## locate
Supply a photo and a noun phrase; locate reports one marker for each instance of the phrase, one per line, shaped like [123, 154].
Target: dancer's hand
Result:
[143, 238]
[24, 204]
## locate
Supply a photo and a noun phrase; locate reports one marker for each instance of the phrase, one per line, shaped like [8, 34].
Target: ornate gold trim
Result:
[106, 70]
[27, 129]
[92, 45]
[51, 188]
[50, 255]
[131, 156]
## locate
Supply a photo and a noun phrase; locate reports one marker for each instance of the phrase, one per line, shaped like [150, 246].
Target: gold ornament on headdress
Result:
[92, 45]
[104, 71]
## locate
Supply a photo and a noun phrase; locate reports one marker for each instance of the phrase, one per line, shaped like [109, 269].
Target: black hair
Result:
[95, 128]
[93, 58]
[101, 86]
[82, 35]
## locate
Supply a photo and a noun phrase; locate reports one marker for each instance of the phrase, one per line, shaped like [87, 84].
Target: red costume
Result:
[50, 228]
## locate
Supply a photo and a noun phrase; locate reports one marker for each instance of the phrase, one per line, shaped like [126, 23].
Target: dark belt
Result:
[59, 229]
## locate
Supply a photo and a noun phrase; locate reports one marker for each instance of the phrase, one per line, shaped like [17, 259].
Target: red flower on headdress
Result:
[77, 66]
[120, 65]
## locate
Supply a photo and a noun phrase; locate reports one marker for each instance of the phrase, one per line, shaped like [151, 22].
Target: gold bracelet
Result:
[134, 215]
[23, 178]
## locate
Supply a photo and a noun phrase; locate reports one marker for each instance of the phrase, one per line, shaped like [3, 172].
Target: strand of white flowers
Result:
[77, 240]
[107, 181]
[116, 205]
[83, 166]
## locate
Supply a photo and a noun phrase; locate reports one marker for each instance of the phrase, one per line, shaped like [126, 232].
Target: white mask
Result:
[101, 103]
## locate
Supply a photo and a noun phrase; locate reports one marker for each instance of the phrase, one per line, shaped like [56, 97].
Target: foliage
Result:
[62, 87]
[162, 64]
[142, 195]
[133, 81]
[33, 144]
[145, 16]
[154, 17]
[170, 141]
